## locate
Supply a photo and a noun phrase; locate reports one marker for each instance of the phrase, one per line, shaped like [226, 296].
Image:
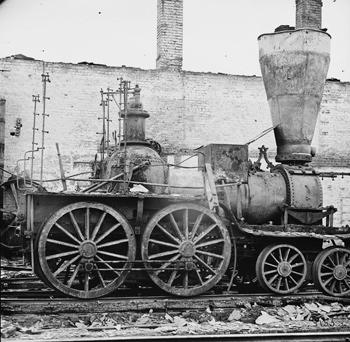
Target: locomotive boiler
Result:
[133, 226]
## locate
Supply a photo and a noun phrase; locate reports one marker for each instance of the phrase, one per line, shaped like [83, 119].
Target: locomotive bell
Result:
[294, 67]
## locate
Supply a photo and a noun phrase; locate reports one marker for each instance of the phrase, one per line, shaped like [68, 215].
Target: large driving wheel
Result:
[186, 249]
[281, 268]
[331, 271]
[85, 250]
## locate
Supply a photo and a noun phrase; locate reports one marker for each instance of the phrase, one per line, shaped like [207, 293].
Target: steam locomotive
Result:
[133, 226]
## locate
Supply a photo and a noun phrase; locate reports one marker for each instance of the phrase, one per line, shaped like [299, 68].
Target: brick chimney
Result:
[169, 34]
[308, 14]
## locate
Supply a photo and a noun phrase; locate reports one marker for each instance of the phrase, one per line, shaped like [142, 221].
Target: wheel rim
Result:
[281, 268]
[85, 250]
[186, 249]
[332, 271]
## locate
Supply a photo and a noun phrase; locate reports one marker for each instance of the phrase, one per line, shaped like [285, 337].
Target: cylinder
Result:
[259, 201]
[294, 67]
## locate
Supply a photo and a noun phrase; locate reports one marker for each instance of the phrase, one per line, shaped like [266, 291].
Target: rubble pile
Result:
[251, 318]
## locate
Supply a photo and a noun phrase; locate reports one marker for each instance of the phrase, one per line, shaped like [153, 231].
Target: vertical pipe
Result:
[2, 149]
[45, 79]
[103, 126]
[63, 177]
[35, 99]
[107, 130]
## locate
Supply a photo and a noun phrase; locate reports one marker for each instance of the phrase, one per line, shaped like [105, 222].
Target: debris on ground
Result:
[246, 319]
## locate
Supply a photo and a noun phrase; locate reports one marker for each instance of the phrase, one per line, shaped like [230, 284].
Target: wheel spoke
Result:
[100, 277]
[286, 284]
[295, 272]
[287, 254]
[115, 255]
[273, 279]
[108, 265]
[172, 277]
[330, 268]
[67, 233]
[163, 243]
[270, 272]
[326, 274]
[112, 243]
[207, 231]
[185, 280]
[208, 243]
[109, 231]
[199, 277]
[98, 226]
[280, 254]
[196, 225]
[293, 280]
[326, 282]
[176, 227]
[274, 258]
[76, 226]
[218, 256]
[167, 264]
[297, 265]
[279, 283]
[203, 263]
[168, 233]
[71, 279]
[62, 243]
[337, 258]
[60, 255]
[293, 257]
[185, 223]
[87, 223]
[330, 259]
[86, 282]
[65, 265]
[159, 255]
[333, 285]
[346, 283]
[271, 265]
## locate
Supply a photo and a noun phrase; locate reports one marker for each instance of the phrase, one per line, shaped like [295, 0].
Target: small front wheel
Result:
[331, 271]
[281, 268]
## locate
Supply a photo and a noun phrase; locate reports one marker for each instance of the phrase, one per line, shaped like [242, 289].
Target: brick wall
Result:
[187, 109]
[169, 34]
[308, 14]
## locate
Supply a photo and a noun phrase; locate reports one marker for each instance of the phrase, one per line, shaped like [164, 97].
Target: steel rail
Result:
[267, 337]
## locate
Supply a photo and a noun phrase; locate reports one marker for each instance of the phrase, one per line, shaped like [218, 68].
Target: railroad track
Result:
[155, 303]
[276, 337]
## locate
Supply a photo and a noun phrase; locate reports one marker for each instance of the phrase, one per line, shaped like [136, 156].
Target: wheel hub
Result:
[340, 272]
[88, 249]
[284, 269]
[187, 249]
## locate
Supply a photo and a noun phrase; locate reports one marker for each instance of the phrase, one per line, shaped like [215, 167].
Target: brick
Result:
[187, 109]
[169, 34]
[308, 14]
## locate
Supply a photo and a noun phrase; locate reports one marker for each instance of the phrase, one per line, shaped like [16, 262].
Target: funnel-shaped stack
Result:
[294, 67]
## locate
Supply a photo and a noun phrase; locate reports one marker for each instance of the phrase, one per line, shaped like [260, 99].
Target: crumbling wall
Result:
[187, 109]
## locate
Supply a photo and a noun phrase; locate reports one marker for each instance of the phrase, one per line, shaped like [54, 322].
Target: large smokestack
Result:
[294, 67]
